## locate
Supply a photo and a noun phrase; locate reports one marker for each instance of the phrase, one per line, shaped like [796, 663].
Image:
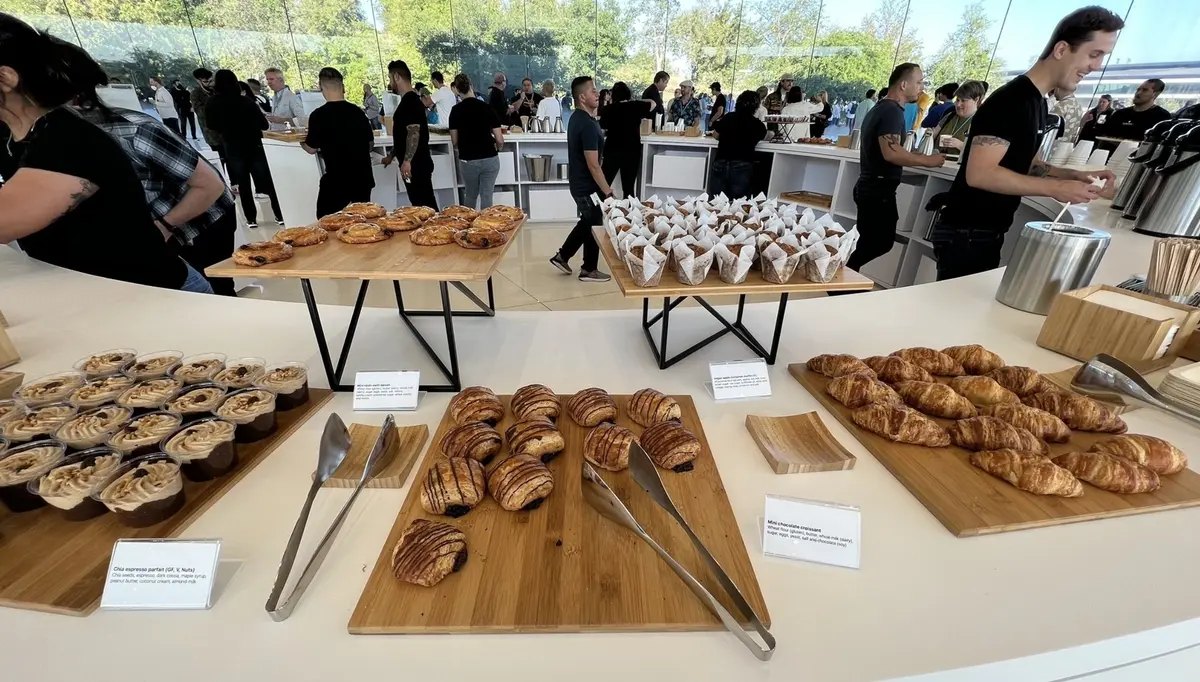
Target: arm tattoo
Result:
[989, 141]
[1039, 169]
[411, 140]
[892, 141]
[86, 190]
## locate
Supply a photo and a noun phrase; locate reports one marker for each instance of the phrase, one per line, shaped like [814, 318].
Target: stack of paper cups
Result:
[1098, 159]
[1080, 154]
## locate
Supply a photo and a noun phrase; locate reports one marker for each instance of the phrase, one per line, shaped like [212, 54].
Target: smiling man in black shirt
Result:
[341, 133]
[412, 139]
[999, 165]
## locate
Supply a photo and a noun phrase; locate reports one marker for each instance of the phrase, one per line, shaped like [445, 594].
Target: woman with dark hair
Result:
[737, 133]
[476, 131]
[71, 197]
[239, 122]
[623, 142]
[606, 99]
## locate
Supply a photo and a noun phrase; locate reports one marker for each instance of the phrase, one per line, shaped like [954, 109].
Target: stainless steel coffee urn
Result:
[1163, 156]
[1050, 258]
[1174, 210]
[1138, 159]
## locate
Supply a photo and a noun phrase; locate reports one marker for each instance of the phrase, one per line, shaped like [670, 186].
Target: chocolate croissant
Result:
[475, 440]
[1077, 411]
[648, 407]
[535, 400]
[537, 437]
[983, 390]
[670, 446]
[834, 366]
[476, 404]
[1109, 472]
[975, 359]
[428, 551]
[901, 424]
[453, 487]
[892, 369]
[933, 361]
[591, 406]
[1153, 453]
[990, 433]
[1031, 473]
[607, 446]
[860, 388]
[520, 483]
[936, 400]
[1038, 422]
[1020, 380]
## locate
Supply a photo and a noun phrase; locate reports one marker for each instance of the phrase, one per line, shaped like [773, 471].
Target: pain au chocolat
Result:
[520, 483]
[607, 446]
[670, 446]
[535, 400]
[476, 404]
[592, 406]
[537, 437]
[453, 487]
[428, 551]
[648, 407]
[475, 440]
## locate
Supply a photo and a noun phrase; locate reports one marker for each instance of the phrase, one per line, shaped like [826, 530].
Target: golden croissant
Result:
[1153, 453]
[983, 390]
[1078, 412]
[1020, 380]
[990, 433]
[1031, 473]
[1038, 422]
[933, 361]
[937, 400]
[834, 366]
[975, 359]
[1109, 472]
[893, 369]
[858, 389]
[901, 424]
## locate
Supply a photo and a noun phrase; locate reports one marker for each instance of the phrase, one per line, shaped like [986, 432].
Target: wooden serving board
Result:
[969, 501]
[1063, 379]
[563, 567]
[799, 444]
[58, 566]
[398, 463]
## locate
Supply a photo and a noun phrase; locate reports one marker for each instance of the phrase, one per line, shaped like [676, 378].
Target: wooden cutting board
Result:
[969, 501]
[49, 564]
[398, 463]
[563, 567]
[799, 444]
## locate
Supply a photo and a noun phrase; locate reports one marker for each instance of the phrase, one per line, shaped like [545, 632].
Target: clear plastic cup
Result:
[240, 373]
[52, 388]
[22, 464]
[289, 381]
[98, 391]
[142, 434]
[12, 409]
[197, 400]
[68, 486]
[39, 423]
[106, 362]
[151, 394]
[198, 368]
[144, 490]
[207, 448]
[253, 410]
[89, 429]
[153, 365]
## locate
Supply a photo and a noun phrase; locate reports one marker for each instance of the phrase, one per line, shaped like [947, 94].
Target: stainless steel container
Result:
[562, 171]
[1137, 162]
[538, 166]
[1174, 210]
[1148, 184]
[855, 138]
[1046, 144]
[1050, 258]
[557, 125]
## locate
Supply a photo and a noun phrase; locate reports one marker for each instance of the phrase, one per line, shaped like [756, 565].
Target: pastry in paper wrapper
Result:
[779, 260]
[646, 263]
[824, 259]
[734, 260]
[693, 260]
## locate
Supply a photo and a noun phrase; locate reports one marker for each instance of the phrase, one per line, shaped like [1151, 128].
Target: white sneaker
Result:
[254, 225]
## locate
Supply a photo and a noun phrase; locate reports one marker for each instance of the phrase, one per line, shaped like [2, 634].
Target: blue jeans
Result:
[732, 177]
[195, 282]
[479, 176]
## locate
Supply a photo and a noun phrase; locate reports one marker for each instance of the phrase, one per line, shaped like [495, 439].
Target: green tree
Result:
[707, 37]
[967, 51]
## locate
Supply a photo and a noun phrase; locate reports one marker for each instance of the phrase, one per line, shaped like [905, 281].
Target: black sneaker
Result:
[593, 276]
[561, 263]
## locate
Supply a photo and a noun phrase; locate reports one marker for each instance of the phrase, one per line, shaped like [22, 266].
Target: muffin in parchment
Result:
[52, 388]
[205, 447]
[151, 394]
[22, 464]
[253, 410]
[144, 491]
[289, 381]
[106, 362]
[196, 401]
[91, 428]
[69, 485]
[154, 365]
[38, 423]
[195, 369]
[240, 373]
[141, 435]
[99, 391]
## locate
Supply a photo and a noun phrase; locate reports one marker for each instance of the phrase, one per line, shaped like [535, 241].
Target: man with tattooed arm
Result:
[411, 129]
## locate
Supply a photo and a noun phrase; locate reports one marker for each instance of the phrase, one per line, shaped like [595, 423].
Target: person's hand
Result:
[1073, 191]
[1086, 117]
[387, 160]
[406, 170]
[954, 143]
[936, 160]
[1109, 190]
[162, 227]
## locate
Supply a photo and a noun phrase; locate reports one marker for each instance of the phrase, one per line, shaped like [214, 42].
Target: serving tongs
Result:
[602, 498]
[335, 443]
[1107, 378]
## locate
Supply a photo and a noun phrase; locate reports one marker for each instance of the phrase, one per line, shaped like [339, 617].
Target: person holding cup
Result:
[951, 131]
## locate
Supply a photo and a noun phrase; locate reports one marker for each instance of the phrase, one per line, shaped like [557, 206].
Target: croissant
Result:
[975, 359]
[1020, 380]
[535, 400]
[834, 366]
[535, 437]
[901, 424]
[892, 369]
[1078, 412]
[648, 407]
[453, 487]
[428, 551]
[1038, 422]
[1109, 472]
[1031, 473]
[607, 446]
[671, 446]
[476, 404]
[858, 389]
[475, 440]
[990, 433]
[520, 483]
[983, 390]
[936, 400]
[932, 361]
[592, 406]
[1153, 453]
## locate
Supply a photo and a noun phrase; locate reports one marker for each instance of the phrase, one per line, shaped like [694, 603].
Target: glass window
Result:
[227, 42]
[50, 17]
[1151, 46]
[953, 43]
[645, 45]
[338, 34]
[778, 39]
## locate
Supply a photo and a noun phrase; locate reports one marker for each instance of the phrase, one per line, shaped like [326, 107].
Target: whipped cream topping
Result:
[193, 400]
[39, 421]
[194, 371]
[99, 391]
[244, 406]
[196, 440]
[11, 409]
[146, 481]
[239, 375]
[153, 365]
[151, 393]
[285, 378]
[66, 485]
[93, 426]
[29, 463]
[144, 430]
[108, 362]
[51, 389]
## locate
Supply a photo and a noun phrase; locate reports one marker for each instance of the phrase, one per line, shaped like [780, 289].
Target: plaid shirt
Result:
[164, 163]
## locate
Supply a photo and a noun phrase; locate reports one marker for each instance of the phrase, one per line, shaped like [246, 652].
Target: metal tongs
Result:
[335, 443]
[1107, 378]
[602, 498]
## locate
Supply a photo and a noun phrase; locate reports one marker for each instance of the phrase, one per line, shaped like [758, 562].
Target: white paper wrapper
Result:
[646, 264]
[778, 265]
[732, 267]
[821, 262]
[692, 268]
[759, 198]
[808, 217]
[626, 239]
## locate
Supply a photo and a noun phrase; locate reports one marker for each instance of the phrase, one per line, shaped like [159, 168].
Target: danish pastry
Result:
[464, 212]
[607, 446]
[536, 437]
[1153, 453]
[1038, 422]
[990, 433]
[494, 222]
[476, 404]
[648, 407]
[453, 487]
[511, 213]
[432, 235]
[975, 359]
[1109, 472]
[670, 446]
[933, 361]
[362, 233]
[901, 424]
[421, 213]
[892, 369]
[448, 221]
[1031, 473]
[475, 440]
[257, 254]
[861, 388]
[365, 210]
[398, 223]
[336, 221]
[1078, 412]
[301, 236]
[983, 390]
[535, 400]
[1020, 380]
[428, 551]
[935, 400]
[520, 483]
[834, 366]
[480, 238]
[591, 406]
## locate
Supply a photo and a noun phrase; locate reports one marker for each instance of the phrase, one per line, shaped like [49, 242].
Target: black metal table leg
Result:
[737, 328]
[332, 373]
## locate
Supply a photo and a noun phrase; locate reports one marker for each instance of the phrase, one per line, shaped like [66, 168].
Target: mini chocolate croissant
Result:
[520, 483]
[834, 366]
[1031, 473]
[670, 446]
[1020, 380]
[990, 433]
[1109, 472]
[1077, 411]
[892, 369]
[607, 446]
[428, 551]
[648, 407]
[933, 361]
[535, 400]
[476, 404]
[901, 424]
[453, 487]
[1038, 422]
[475, 440]
[983, 390]
[935, 400]
[861, 388]
[1153, 453]
[537, 437]
[592, 406]
[975, 359]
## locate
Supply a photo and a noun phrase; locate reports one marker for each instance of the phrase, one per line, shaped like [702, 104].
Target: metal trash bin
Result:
[538, 166]
[1050, 258]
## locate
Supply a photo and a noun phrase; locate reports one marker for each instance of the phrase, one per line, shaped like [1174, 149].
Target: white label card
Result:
[386, 390]
[824, 532]
[741, 379]
[161, 574]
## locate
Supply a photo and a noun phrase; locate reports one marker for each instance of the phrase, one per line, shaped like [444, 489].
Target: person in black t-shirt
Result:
[719, 105]
[410, 122]
[586, 179]
[622, 121]
[525, 103]
[655, 91]
[240, 123]
[497, 100]
[999, 164]
[476, 132]
[737, 134]
[1131, 123]
[341, 133]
